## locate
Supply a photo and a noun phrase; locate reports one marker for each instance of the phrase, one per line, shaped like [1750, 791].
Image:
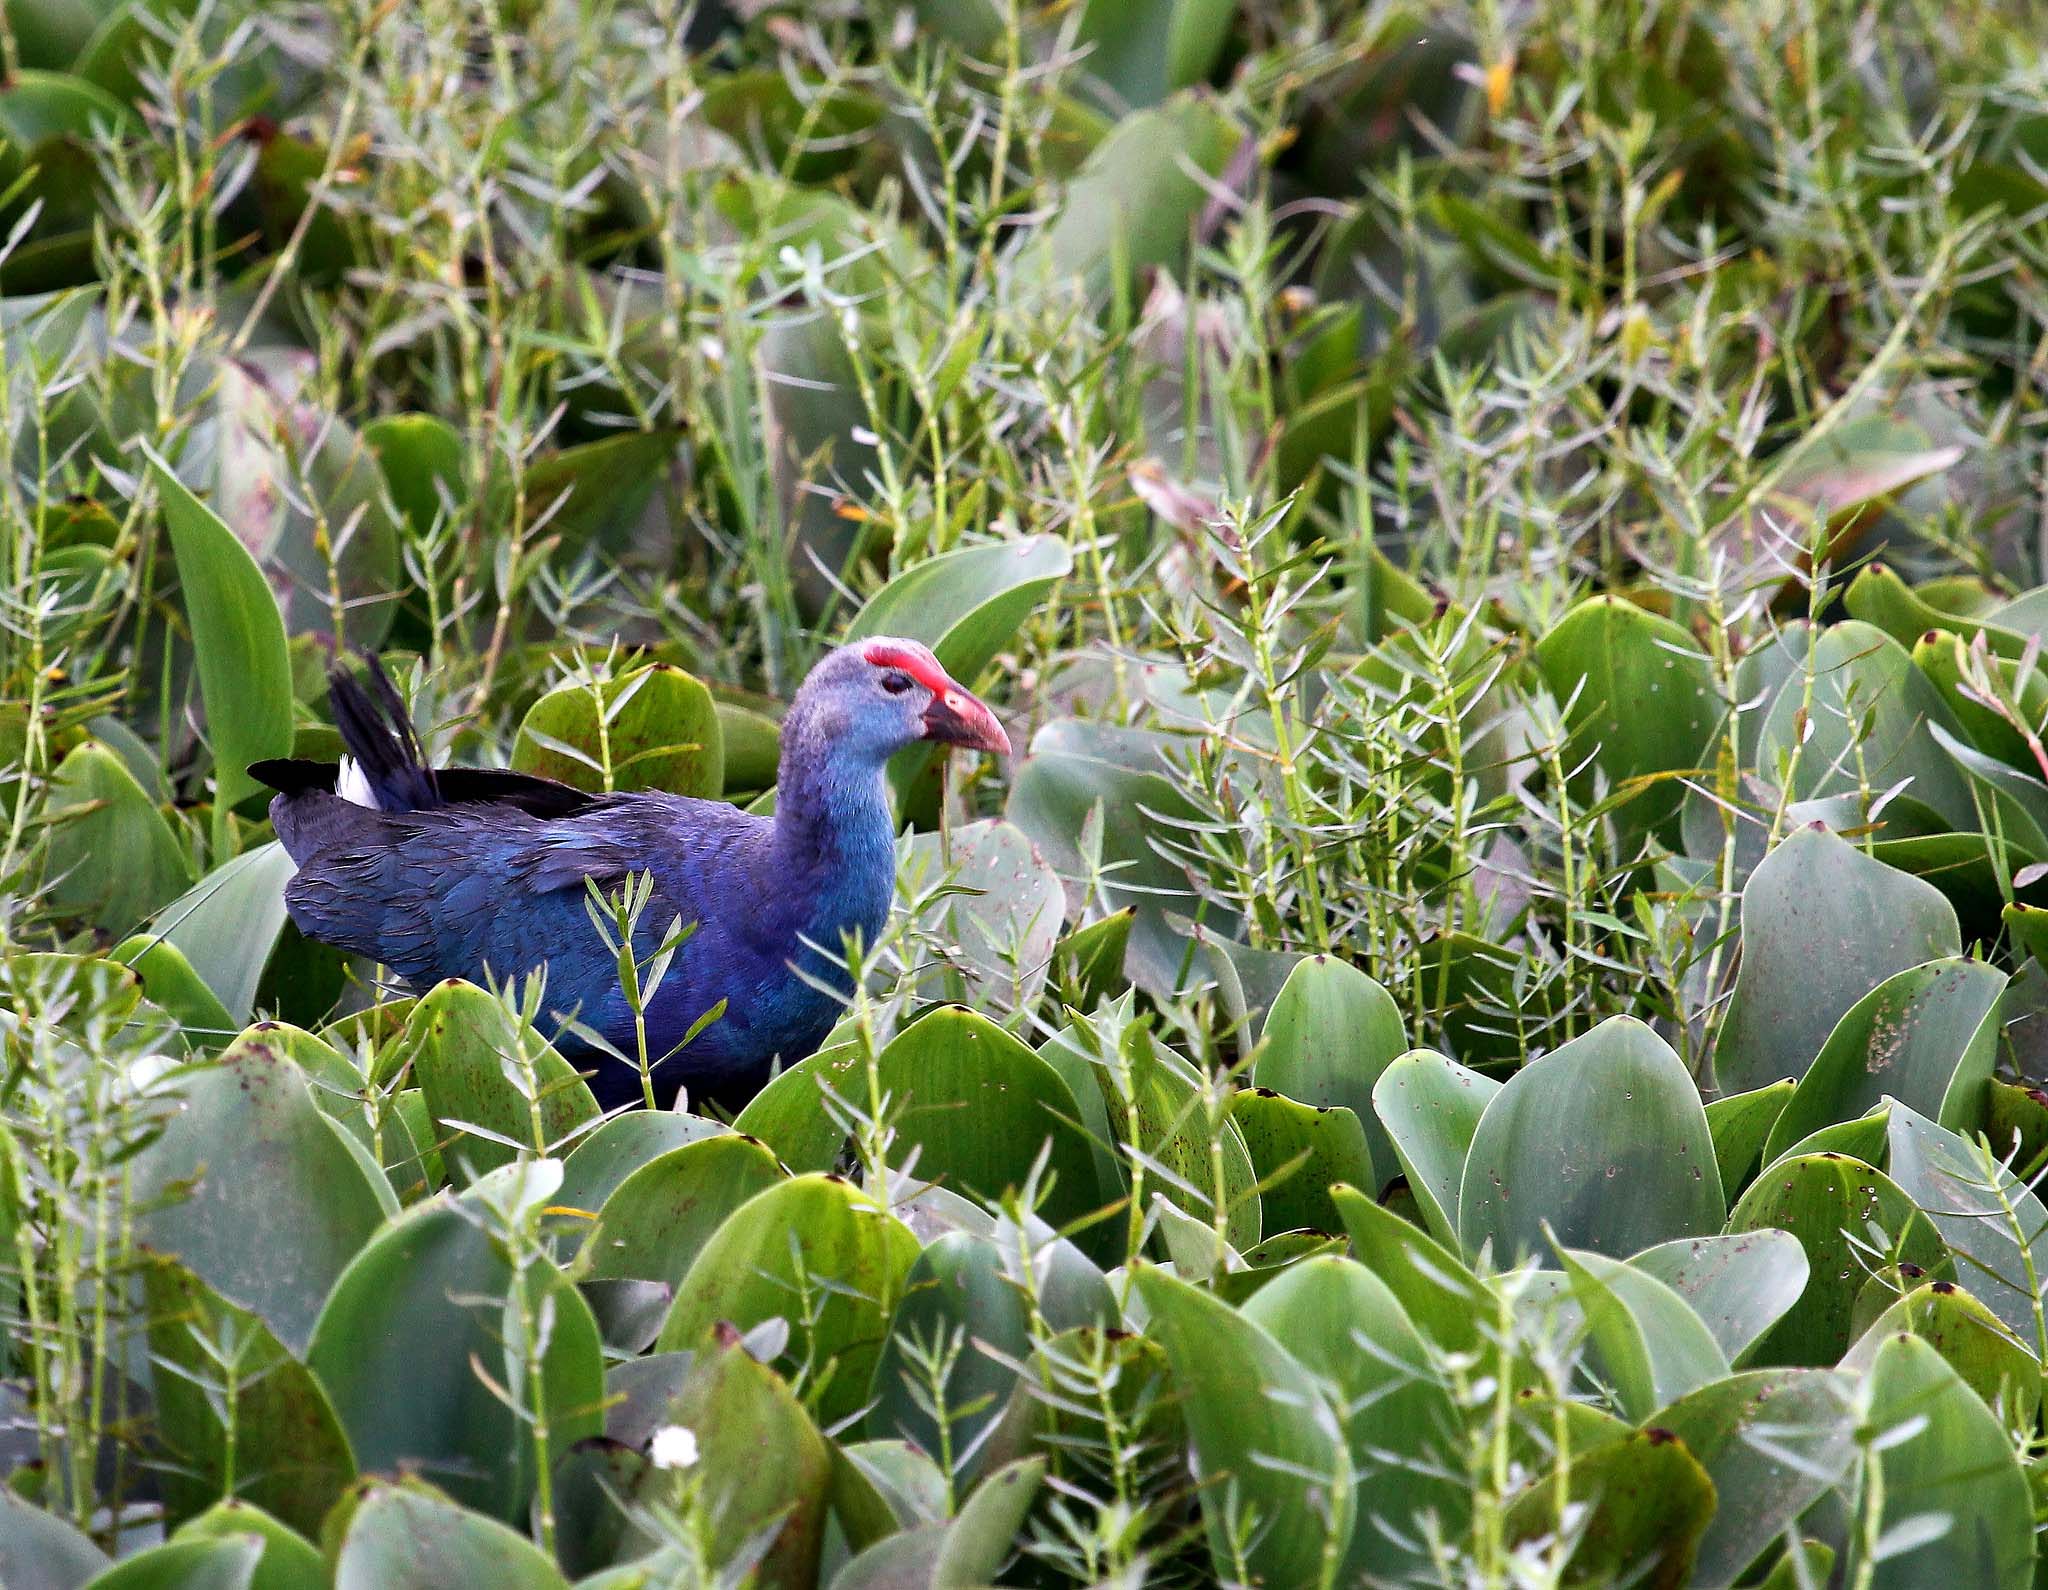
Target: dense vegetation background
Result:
[1490, 1039]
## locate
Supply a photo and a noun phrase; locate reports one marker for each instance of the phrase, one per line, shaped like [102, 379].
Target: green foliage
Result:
[1612, 1131]
[654, 728]
[1492, 1032]
[493, 1085]
[245, 676]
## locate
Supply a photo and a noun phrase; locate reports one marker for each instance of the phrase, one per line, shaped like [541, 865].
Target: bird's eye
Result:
[895, 683]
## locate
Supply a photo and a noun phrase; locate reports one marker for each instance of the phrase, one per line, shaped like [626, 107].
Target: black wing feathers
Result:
[379, 734]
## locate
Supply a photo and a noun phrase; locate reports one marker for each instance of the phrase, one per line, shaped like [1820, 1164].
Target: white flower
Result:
[674, 1447]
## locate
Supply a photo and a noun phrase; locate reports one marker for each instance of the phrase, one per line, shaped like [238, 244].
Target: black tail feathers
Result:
[379, 734]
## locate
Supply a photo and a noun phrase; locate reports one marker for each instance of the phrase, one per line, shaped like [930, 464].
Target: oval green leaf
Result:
[1603, 1143]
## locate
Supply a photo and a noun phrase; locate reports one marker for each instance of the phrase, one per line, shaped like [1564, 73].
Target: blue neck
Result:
[835, 837]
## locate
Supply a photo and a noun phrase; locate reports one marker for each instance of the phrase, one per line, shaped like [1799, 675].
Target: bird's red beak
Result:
[959, 717]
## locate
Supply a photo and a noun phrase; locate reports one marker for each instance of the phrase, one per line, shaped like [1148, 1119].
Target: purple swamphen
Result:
[460, 872]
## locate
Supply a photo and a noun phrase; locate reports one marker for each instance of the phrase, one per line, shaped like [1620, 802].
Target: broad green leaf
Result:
[1343, 1325]
[1264, 1436]
[974, 1109]
[40, 1551]
[1082, 777]
[1649, 1505]
[1842, 1211]
[421, 457]
[782, 1243]
[1954, 1508]
[2028, 925]
[795, 1113]
[1649, 1343]
[589, 493]
[112, 858]
[595, 1487]
[405, 1537]
[1773, 1441]
[176, 989]
[1972, 1341]
[274, 1200]
[1141, 50]
[227, 925]
[1602, 1142]
[966, 605]
[1880, 598]
[763, 1464]
[1247, 980]
[50, 122]
[1740, 1124]
[1640, 704]
[655, 728]
[136, 753]
[1996, 1226]
[1133, 204]
[985, 1532]
[1443, 1297]
[411, 1162]
[338, 1087]
[1862, 1138]
[2013, 809]
[1329, 1034]
[245, 671]
[638, 1392]
[659, 1217]
[607, 1155]
[1089, 961]
[963, 1554]
[1858, 718]
[1430, 1108]
[429, 1305]
[224, 1563]
[233, 1405]
[753, 748]
[1205, 1173]
[48, 34]
[1822, 925]
[1299, 1153]
[288, 1560]
[902, 1478]
[955, 1298]
[1739, 1285]
[2016, 1124]
[479, 1066]
[1002, 937]
[1067, 1053]
[1927, 1036]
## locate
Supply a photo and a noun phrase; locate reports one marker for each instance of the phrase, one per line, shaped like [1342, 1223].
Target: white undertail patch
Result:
[353, 785]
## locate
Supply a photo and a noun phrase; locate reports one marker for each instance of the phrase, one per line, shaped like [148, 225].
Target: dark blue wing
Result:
[458, 890]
